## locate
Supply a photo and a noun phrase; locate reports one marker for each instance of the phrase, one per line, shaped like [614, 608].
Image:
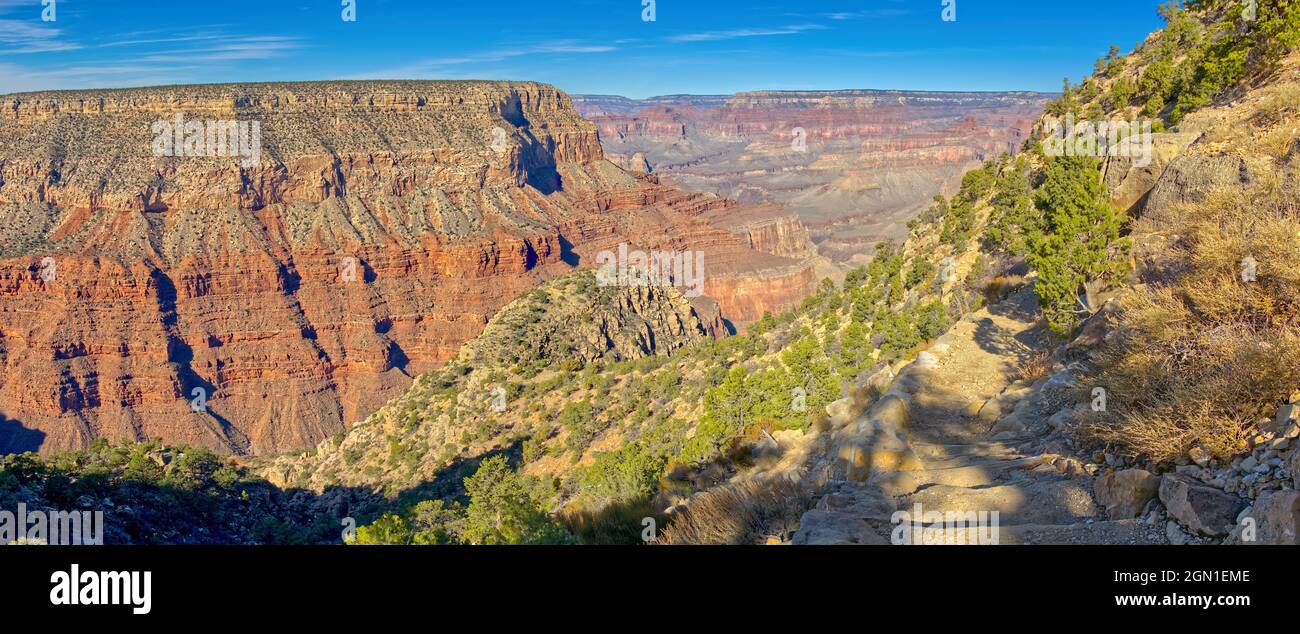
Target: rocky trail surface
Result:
[960, 436]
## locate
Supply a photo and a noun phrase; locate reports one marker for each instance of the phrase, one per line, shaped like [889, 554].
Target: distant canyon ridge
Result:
[853, 166]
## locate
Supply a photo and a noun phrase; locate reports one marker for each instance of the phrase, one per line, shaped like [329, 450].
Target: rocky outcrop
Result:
[472, 406]
[1201, 509]
[577, 318]
[1129, 182]
[1125, 493]
[260, 303]
[1190, 178]
[1276, 516]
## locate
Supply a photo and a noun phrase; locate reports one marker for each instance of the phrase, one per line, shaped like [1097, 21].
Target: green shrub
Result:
[626, 475]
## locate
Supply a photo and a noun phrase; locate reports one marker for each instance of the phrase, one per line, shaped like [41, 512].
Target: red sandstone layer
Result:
[382, 227]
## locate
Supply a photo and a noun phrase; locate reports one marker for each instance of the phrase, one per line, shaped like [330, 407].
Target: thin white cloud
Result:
[15, 78]
[441, 65]
[231, 49]
[866, 14]
[162, 40]
[19, 37]
[712, 36]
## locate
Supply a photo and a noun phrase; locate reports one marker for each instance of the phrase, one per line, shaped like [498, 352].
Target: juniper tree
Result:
[1078, 251]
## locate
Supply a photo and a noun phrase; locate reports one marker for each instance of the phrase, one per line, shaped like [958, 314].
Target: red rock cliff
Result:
[381, 226]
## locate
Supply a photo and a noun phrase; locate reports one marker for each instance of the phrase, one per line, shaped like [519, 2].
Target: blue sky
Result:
[582, 46]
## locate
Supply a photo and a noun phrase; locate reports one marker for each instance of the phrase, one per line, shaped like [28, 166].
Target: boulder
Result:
[829, 528]
[1200, 456]
[1063, 380]
[765, 446]
[840, 412]
[1200, 508]
[1094, 330]
[853, 461]
[991, 411]
[1284, 422]
[1293, 467]
[1013, 423]
[858, 459]
[788, 437]
[1276, 516]
[889, 413]
[1191, 178]
[926, 360]
[1062, 418]
[878, 383]
[1126, 493]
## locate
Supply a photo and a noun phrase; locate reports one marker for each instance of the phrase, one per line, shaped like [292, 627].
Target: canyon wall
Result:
[852, 166]
[259, 304]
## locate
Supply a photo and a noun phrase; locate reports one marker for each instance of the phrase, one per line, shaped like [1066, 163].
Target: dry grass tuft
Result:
[999, 288]
[1229, 131]
[741, 513]
[1035, 367]
[1200, 359]
[1278, 100]
[1279, 142]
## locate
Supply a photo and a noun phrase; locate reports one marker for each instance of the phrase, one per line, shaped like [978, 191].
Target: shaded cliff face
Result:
[258, 303]
[853, 166]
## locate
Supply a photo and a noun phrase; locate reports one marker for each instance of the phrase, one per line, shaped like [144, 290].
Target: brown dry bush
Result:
[740, 513]
[1035, 367]
[1278, 100]
[1227, 131]
[1279, 141]
[999, 288]
[1200, 359]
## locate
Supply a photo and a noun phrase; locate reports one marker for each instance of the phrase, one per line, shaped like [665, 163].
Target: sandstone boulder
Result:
[828, 528]
[1200, 508]
[990, 412]
[878, 383]
[1284, 422]
[889, 413]
[1276, 516]
[858, 459]
[927, 360]
[1013, 423]
[1126, 493]
[840, 412]
[1190, 178]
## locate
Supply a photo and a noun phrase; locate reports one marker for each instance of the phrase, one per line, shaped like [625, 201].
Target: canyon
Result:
[849, 168]
[259, 309]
